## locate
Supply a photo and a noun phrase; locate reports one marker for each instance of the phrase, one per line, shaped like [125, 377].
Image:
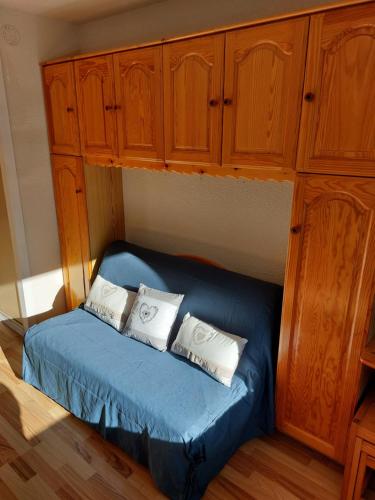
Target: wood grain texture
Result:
[105, 207]
[193, 87]
[328, 297]
[61, 108]
[264, 70]
[96, 101]
[139, 104]
[338, 126]
[70, 199]
[368, 354]
[71, 461]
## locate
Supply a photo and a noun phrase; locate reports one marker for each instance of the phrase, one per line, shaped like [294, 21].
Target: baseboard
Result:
[12, 323]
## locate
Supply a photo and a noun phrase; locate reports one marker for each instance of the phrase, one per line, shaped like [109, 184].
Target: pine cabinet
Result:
[338, 125]
[96, 101]
[264, 69]
[61, 108]
[328, 296]
[139, 105]
[193, 81]
[70, 199]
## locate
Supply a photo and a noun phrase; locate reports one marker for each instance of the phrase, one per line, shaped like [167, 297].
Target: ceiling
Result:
[77, 11]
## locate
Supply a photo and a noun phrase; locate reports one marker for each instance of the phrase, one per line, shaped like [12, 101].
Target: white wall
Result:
[40, 39]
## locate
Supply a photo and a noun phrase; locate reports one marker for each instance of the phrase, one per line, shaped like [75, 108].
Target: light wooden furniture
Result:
[361, 450]
[61, 108]
[338, 126]
[139, 106]
[193, 87]
[69, 184]
[264, 68]
[328, 295]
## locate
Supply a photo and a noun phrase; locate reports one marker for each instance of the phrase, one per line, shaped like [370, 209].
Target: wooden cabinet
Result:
[193, 80]
[96, 101]
[328, 296]
[338, 125]
[61, 107]
[139, 103]
[264, 69]
[70, 198]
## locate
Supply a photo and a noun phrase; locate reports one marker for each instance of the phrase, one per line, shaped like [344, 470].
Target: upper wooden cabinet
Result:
[264, 69]
[328, 297]
[70, 198]
[139, 104]
[96, 101]
[193, 81]
[338, 125]
[61, 105]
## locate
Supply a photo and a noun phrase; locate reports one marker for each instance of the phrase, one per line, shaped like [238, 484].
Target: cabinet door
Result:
[96, 101]
[70, 199]
[61, 107]
[264, 70]
[328, 295]
[139, 105]
[338, 125]
[193, 79]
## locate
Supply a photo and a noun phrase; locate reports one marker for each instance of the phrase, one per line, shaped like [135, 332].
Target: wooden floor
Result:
[46, 453]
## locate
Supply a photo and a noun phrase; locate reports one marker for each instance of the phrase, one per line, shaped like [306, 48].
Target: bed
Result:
[158, 407]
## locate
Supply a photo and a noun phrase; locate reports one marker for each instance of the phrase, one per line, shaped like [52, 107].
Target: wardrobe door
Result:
[70, 199]
[96, 101]
[264, 70]
[61, 107]
[338, 125]
[139, 105]
[328, 295]
[193, 79]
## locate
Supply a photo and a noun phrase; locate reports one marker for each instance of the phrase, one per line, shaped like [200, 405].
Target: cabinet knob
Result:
[295, 229]
[213, 102]
[227, 101]
[116, 107]
[69, 109]
[309, 97]
[78, 191]
[108, 108]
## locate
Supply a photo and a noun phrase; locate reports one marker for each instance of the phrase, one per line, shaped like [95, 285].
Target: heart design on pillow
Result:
[202, 335]
[108, 290]
[147, 313]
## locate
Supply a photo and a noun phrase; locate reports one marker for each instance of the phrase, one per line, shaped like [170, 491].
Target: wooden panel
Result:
[61, 108]
[338, 126]
[264, 70]
[96, 100]
[328, 297]
[193, 79]
[139, 104]
[70, 198]
[105, 207]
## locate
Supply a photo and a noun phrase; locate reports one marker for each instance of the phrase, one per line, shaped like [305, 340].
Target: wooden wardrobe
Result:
[289, 98]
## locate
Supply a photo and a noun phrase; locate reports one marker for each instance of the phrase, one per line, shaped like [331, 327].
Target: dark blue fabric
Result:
[161, 409]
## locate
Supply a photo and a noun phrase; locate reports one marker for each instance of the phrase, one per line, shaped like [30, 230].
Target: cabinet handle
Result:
[213, 102]
[227, 101]
[108, 108]
[69, 109]
[116, 107]
[296, 229]
[309, 97]
[78, 191]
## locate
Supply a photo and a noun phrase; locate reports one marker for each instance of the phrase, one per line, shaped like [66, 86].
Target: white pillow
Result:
[110, 303]
[215, 351]
[152, 317]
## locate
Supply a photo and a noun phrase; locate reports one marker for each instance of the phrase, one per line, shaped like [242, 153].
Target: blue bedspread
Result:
[161, 409]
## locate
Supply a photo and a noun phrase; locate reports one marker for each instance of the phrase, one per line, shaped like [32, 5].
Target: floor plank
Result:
[46, 453]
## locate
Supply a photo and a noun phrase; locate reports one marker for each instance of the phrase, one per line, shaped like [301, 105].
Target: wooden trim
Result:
[368, 354]
[256, 22]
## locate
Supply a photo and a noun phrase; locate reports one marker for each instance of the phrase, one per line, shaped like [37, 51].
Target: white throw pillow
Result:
[152, 317]
[110, 303]
[215, 351]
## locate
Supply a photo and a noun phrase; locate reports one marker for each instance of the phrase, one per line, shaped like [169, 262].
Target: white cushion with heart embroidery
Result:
[152, 317]
[215, 351]
[110, 303]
